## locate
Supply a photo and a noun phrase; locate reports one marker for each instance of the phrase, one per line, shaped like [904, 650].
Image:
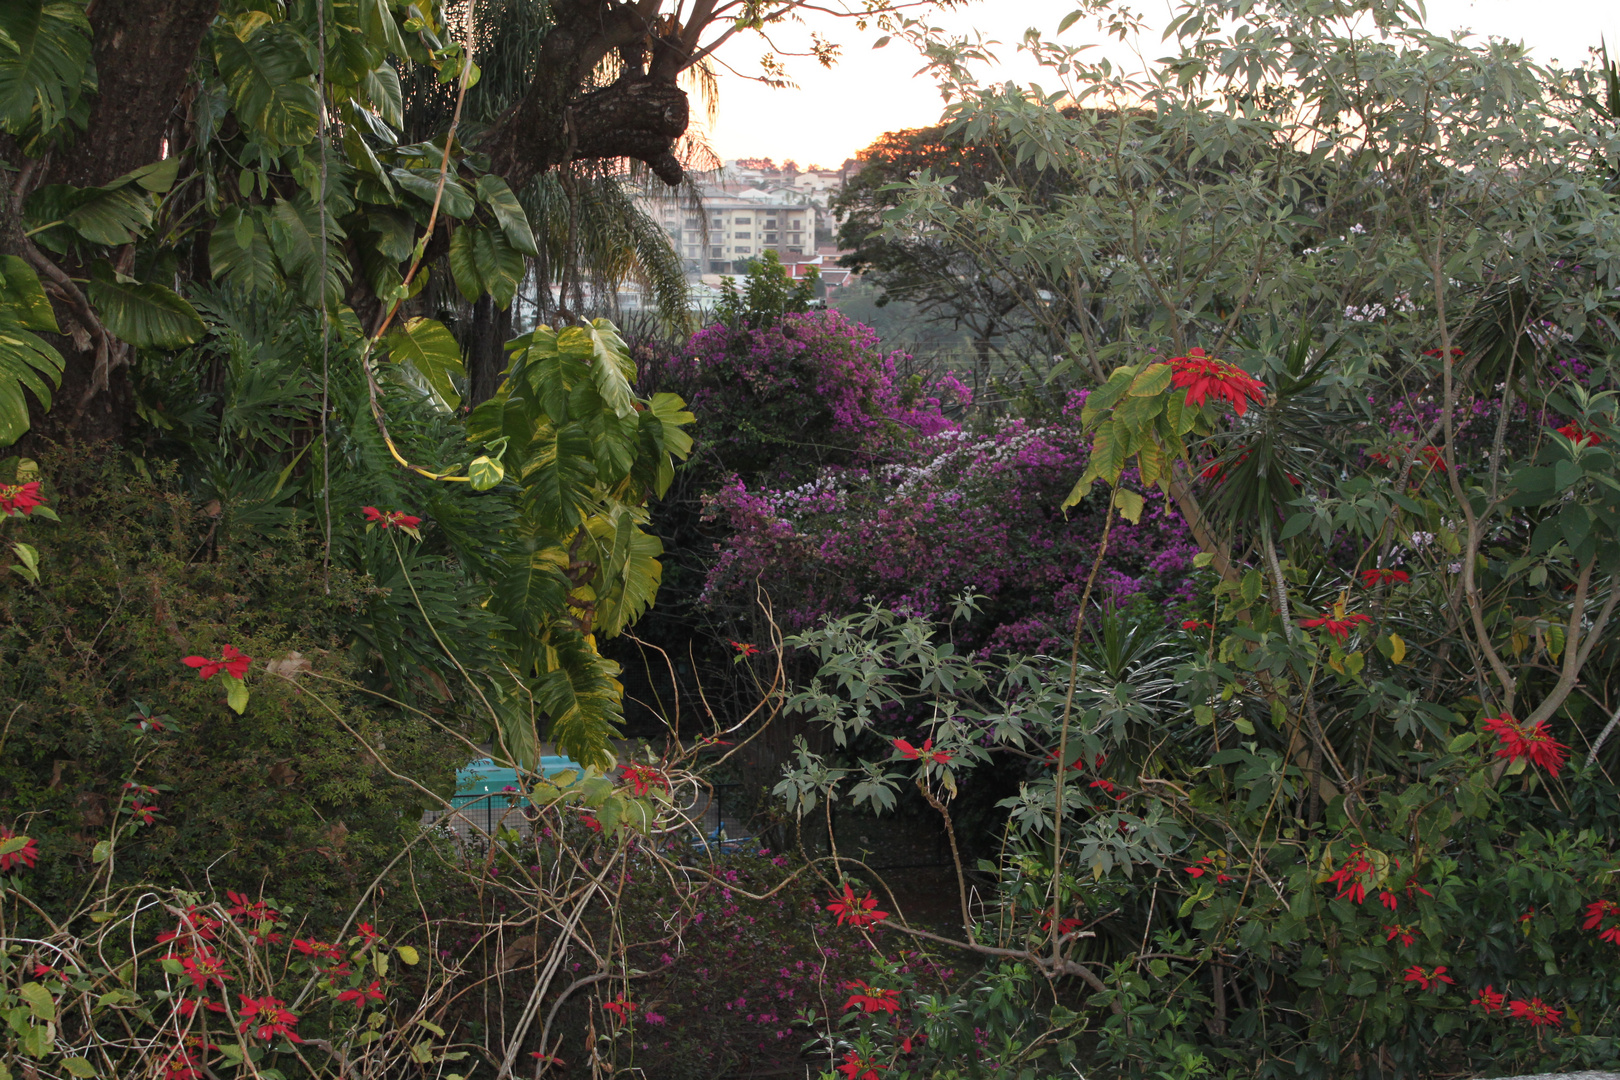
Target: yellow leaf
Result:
[1397, 649]
[1129, 504]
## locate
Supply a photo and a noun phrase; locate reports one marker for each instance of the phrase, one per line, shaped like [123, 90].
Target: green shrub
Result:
[282, 797]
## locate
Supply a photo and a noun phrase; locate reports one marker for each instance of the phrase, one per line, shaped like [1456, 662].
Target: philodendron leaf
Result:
[26, 363]
[430, 350]
[145, 315]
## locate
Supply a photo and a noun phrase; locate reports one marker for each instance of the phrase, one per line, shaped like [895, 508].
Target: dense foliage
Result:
[1260, 674]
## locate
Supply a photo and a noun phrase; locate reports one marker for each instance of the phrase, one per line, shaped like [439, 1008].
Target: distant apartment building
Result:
[730, 228]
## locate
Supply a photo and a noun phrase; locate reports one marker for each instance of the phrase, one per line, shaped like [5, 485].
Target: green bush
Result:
[282, 797]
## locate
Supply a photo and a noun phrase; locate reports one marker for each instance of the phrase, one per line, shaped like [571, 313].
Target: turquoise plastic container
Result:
[485, 778]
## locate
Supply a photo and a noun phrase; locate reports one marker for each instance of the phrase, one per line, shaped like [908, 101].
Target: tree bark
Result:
[638, 116]
[144, 52]
[486, 349]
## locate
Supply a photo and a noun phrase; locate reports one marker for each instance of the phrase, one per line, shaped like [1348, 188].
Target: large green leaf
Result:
[494, 193]
[114, 215]
[239, 252]
[559, 476]
[44, 53]
[424, 183]
[429, 349]
[26, 362]
[482, 261]
[22, 298]
[381, 91]
[267, 77]
[145, 315]
[295, 233]
[630, 576]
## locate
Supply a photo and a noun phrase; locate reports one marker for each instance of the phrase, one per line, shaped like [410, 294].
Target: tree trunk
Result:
[144, 52]
[486, 349]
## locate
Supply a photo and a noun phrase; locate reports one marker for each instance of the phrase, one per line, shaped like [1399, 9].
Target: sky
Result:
[831, 114]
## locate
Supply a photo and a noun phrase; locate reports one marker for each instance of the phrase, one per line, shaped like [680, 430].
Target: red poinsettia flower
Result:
[24, 854]
[1435, 458]
[358, 997]
[1597, 911]
[744, 649]
[1536, 743]
[620, 1008]
[267, 1019]
[1437, 353]
[857, 1067]
[1207, 865]
[186, 1007]
[203, 968]
[20, 498]
[643, 778]
[367, 932]
[1388, 899]
[1348, 877]
[871, 999]
[233, 663]
[1383, 576]
[1538, 1012]
[387, 519]
[193, 927]
[1425, 978]
[1339, 628]
[926, 751]
[1490, 1000]
[590, 822]
[1197, 624]
[317, 950]
[1203, 376]
[1579, 435]
[858, 913]
[1064, 926]
[1406, 933]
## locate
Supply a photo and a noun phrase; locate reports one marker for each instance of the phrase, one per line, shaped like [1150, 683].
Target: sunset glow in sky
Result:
[833, 113]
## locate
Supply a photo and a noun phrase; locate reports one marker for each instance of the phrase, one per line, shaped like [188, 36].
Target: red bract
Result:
[1597, 911]
[871, 999]
[1536, 743]
[387, 519]
[1204, 376]
[1425, 978]
[912, 753]
[1339, 628]
[20, 498]
[1435, 458]
[1108, 786]
[620, 1008]
[643, 778]
[24, 854]
[368, 932]
[857, 1067]
[267, 1019]
[1538, 1012]
[1348, 877]
[1491, 1001]
[858, 913]
[317, 950]
[1197, 624]
[203, 968]
[1381, 576]
[1579, 435]
[1406, 933]
[1437, 354]
[193, 927]
[1207, 865]
[248, 912]
[231, 662]
[358, 998]
[744, 648]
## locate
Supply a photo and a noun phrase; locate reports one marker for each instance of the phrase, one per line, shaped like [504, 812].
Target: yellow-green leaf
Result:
[1154, 379]
[1129, 504]
[408, 955]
